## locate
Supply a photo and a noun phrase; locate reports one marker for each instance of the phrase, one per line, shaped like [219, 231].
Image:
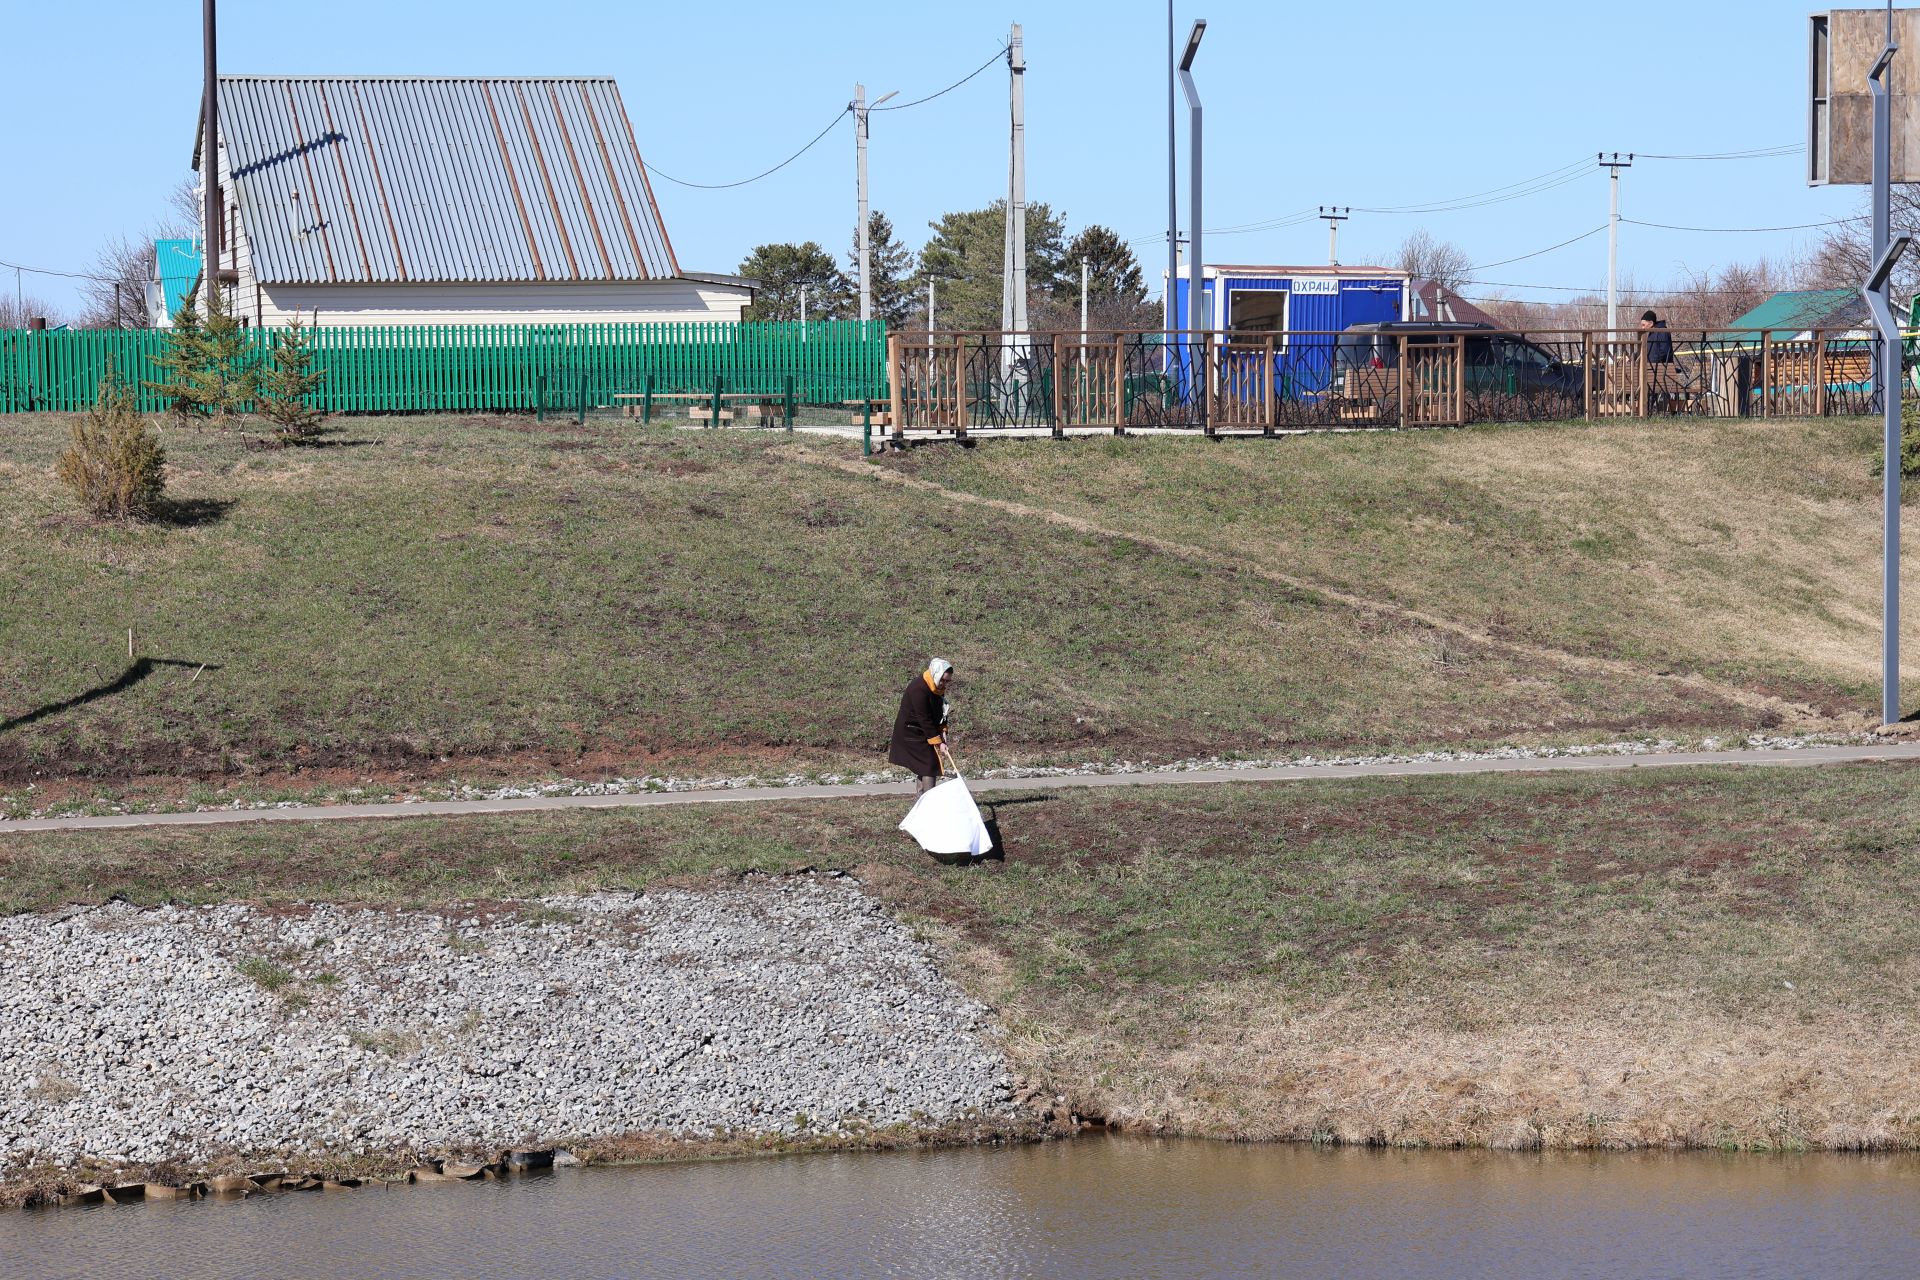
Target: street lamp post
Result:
[1195, 288]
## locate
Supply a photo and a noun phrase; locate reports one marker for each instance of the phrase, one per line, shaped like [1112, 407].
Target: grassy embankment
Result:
[503, 599]
[1720, 958]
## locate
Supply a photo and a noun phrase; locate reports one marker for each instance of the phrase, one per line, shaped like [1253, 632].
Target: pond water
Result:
[1093, 1207]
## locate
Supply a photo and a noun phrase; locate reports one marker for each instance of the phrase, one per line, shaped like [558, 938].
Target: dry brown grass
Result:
[1746, 551]
[1674, 957]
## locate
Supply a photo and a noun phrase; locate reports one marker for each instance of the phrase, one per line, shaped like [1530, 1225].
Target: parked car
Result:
[1497, 362]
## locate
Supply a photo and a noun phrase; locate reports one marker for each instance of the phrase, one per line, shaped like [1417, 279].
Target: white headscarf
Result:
[937, 667]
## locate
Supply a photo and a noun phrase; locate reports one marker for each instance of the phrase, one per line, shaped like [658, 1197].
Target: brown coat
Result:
[916, 728]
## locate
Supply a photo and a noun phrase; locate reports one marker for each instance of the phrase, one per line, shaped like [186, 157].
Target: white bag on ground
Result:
[946, 820]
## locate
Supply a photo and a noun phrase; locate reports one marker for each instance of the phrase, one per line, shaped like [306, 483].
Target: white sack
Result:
[946, 820]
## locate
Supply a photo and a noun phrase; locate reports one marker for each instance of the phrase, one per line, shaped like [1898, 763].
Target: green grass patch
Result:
[496, 598]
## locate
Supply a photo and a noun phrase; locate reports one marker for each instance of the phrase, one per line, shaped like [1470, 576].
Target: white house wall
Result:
[494, 303]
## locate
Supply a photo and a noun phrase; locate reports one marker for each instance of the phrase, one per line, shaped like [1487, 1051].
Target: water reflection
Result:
[1090, 1208]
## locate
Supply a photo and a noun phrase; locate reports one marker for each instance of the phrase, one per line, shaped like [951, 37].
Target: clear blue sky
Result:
[1364, 104]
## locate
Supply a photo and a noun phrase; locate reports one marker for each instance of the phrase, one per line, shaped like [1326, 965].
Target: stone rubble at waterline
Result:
[782, 1005]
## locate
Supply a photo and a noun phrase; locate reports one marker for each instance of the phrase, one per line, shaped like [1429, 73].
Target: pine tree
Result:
[227, 375]
[288, 380]
[891, 266]
[179, 365]
[781, 271]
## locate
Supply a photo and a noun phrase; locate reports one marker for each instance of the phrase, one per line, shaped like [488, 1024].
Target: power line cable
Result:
[1534, 189]
[48, 271]
[725, 186]
[841, 114]
[902, 106]
[1798, 226]
[1753, 153]
[1599, 290]
[1493, 195]
[1538, 252]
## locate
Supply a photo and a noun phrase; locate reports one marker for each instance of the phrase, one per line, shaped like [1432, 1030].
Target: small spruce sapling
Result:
[227, 376]
[179, 365]
[287, 382]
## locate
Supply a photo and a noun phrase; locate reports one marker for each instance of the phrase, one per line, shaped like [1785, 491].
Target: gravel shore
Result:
[791, 1005]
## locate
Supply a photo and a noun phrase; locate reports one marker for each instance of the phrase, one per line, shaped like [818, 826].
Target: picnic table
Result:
[758, 405]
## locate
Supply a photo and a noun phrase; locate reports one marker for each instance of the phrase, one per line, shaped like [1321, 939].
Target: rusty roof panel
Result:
[386, 178]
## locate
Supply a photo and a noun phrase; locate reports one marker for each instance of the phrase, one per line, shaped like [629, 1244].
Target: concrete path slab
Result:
[1778, 758]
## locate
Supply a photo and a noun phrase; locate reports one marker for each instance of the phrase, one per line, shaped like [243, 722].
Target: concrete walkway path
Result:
[1798, 756]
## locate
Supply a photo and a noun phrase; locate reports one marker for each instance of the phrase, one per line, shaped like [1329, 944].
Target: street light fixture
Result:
[1195, 293]
[1195, 168]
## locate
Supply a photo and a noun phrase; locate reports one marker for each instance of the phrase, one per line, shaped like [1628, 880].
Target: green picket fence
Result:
[472, 368]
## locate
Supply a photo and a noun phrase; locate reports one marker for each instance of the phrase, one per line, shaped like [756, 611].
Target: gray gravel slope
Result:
[177, 1033]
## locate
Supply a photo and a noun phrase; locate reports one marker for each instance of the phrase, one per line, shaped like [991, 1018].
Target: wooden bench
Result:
[758, 411]
[633, 404]
[878, 412]
[1364, 394]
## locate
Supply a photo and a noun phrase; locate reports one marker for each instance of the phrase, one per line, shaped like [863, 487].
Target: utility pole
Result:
[860, 164]
[1333, 215]
[1085, 276]
[1878, 291]
[860, 107]
[803, 313]
[210, 159]
[1613, 168]
[1173, 201]
[1013, 270]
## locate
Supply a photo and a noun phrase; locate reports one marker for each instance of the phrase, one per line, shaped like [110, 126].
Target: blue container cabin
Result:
[1304, 308]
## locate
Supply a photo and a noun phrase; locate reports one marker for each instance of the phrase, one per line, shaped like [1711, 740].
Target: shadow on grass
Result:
[136, 671]
[990, 818]
[191, 513]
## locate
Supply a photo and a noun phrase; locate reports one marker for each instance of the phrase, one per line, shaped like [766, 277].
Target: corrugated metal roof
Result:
[1798, 310]
[376, 178]
[1322, 269]
[176, 265]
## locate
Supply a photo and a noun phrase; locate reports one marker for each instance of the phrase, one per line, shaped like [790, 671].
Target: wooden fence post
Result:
[1059, 390]
[1459, 379]
[1766, 373]
[1640, 357]
[959, 387]
[1817, 372]
[1586, 374]
[1206, 377]
[1400, 342]
[897, 403]
[1119, 385]
[1266, 383]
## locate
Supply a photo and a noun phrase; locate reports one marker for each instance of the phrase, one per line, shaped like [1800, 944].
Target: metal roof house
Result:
[1796, 313]
[175, 273]
[417, 200]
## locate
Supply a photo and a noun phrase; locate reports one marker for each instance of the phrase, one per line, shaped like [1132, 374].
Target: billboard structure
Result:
[1861, 128]
[1842, 47]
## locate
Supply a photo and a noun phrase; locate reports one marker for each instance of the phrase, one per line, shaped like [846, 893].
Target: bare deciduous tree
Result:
[17, 309]
[1426, 258]
[116, 293]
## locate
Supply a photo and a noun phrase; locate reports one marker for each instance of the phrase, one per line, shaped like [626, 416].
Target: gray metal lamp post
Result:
[1879, 294]
[1195, 292]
